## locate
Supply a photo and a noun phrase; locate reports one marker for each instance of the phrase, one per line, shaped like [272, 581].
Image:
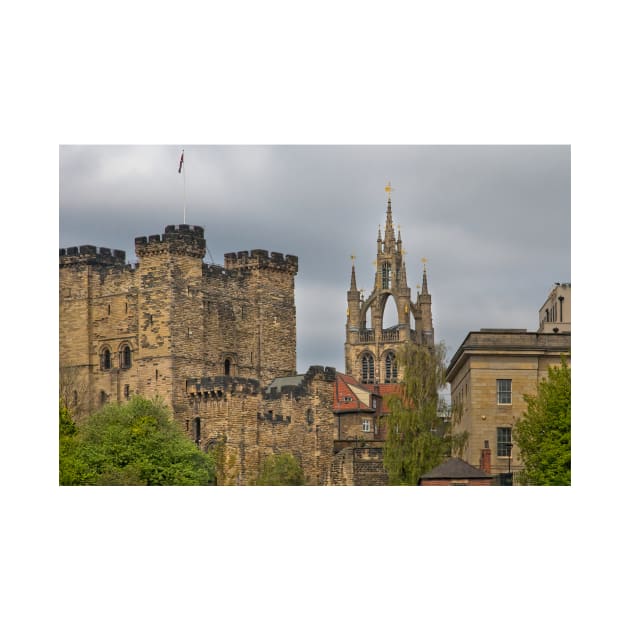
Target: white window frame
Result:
[367, 425]
[502, 393]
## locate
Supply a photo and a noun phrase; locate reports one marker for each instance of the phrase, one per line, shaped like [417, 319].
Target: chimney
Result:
[484, 460]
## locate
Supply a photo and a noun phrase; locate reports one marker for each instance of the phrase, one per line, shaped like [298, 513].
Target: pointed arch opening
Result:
[367, 368]
[390, 314]
[391, 368]
[368, 318]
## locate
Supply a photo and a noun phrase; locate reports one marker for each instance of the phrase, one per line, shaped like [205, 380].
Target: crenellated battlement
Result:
[91, 255]
[183, 239]
[261, 258]
[217, 387]
[301, 389]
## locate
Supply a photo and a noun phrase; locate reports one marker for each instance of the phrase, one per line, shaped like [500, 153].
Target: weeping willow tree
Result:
[418, 438]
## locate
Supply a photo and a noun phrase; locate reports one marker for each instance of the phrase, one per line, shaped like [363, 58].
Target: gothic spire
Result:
[353, 280]
[425, 289]
[390, 238]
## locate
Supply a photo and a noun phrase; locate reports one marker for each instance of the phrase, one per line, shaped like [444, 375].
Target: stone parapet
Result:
[183, 239]
[261, 259]
[90, 254]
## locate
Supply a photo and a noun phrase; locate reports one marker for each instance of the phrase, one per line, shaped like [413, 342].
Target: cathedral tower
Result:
[371, 352]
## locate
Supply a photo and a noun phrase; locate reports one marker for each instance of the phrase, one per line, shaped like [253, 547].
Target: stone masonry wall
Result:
[179, 316]
[248, 425]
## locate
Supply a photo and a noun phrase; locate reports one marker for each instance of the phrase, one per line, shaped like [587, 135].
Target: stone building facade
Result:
[555, 314]
[489, 375]
[148, 327]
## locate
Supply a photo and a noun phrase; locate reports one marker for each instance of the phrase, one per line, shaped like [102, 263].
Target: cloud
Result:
[493, 221]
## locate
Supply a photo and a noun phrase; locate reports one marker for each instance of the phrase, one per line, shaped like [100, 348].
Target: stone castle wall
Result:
[206, 339]
[249, 424]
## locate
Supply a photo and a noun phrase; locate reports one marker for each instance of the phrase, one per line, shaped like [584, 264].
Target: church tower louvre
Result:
[371, 350]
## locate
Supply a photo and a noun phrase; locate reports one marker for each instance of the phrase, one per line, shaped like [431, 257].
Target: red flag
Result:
[181, 163]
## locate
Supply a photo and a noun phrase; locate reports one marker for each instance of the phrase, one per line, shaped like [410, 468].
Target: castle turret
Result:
[353, 313]
[268, 322]
[424, 310]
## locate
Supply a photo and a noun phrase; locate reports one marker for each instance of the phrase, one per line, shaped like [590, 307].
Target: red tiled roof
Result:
[345, 398]
[352, 402]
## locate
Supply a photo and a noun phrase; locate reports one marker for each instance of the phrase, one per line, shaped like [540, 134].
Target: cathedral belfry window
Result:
[386, 275]
[391, 369]
[367, 368]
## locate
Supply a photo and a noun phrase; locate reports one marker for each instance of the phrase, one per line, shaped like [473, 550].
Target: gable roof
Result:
[357, 395]
[350, 395]
[455, 468]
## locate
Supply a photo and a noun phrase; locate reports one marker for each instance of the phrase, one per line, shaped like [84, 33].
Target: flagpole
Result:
[182, 170]
[185, 195]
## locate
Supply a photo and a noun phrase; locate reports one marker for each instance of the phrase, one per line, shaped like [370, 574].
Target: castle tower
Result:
[371, 353]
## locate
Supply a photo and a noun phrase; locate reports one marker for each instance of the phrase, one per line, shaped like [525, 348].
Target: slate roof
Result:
[283, 381]
[455, 468]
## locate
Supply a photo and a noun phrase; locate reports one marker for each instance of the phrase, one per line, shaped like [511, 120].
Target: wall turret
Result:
[354, 306]
[91, 255]
[183, 239]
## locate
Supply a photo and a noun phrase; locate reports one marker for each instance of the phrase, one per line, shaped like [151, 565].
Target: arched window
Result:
[227, 367]
[391, 369]
[197, 435]
[106, 359]
[386, 274]
[125, 357]
[367, 368]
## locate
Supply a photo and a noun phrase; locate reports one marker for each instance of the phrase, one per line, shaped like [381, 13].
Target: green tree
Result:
[543, 434]
[280, 470]
[418, 439]
[136, 443]
[72, 469]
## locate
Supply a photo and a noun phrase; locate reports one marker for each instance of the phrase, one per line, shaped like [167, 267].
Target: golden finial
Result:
[424, 262]
[388, 189]
[353, 258]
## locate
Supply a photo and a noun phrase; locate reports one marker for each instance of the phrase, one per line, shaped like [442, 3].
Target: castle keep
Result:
[204, 338]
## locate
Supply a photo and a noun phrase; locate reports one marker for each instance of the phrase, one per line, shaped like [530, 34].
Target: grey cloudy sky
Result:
[493, 221]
